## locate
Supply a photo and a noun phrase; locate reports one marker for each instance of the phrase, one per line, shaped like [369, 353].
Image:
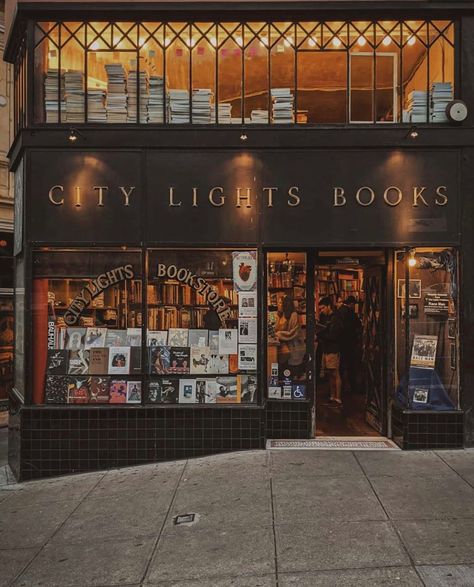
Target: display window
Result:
[87, 326]
[202, 326]
[427, 334]
[287, 353]
[325, 72]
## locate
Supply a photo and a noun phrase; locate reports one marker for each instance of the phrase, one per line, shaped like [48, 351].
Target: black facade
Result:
[368, 189]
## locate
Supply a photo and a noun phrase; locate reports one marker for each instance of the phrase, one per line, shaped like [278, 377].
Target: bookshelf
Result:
[337, 281]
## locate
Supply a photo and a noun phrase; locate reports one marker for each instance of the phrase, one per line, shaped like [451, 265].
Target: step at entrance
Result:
[334, 443]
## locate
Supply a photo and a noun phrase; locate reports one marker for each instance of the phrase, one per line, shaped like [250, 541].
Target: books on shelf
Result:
[417, 106]
[74, 95]
[282, 106]
[258, 116]
[201, 106]
[155, 105]
[441, 94]
[132, 97]
[178, 106]
[116, 103]
[224, 112]
[96, 111]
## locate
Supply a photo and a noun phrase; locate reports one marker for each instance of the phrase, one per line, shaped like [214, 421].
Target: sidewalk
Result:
[263, 518]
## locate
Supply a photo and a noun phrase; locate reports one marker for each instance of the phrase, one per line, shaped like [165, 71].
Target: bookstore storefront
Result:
[169, 303]
[229, 230]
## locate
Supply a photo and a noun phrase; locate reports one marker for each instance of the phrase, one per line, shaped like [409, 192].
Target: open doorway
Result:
[349, 357]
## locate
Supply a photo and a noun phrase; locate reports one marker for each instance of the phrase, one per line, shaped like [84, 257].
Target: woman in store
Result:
[288, 331]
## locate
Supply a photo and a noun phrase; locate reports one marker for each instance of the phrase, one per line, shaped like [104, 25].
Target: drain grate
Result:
[328, 443]
[184, 519]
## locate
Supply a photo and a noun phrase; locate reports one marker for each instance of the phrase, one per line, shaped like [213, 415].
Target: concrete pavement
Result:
[263, 519]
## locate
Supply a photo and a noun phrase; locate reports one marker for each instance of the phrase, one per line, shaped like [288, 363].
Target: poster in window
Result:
[423, 352]
[134, 392]
[247, 305]
[414, 290]
[452, 328]
[421, 394]
[248, 357]
[247, 330]
[228, 341]
[244, 266]
[119, 360]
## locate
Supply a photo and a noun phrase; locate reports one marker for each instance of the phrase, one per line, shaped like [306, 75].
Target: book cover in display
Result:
[57, 362]
[169, 390]
[228, 339]
[134, 336]
[180, 357]
[228, 391]
[212, 391]
[201, 390]
[159, 360]
[100, 390]
[244, 269]
[214, 341]
[78, 362]
[134, 392]
[98, 361]
[198, 337]
[248, 388]
[118, 392]
[56, 389]
[200, 357]
[95, 337]
[116, 338]
[178, 337]
[157, 338]
[135, 360]
[187, 391]
[79, 389]
[154, 392]
[119, 360]
[233, 363]
[219, 364]
[75, 338]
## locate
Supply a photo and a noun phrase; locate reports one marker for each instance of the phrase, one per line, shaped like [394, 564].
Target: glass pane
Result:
[19, 375]
[256, 80]
[286, 326]
[87, 327]
[322, 87]
[204, 42]
[152, 92]
[386, 87]
[415, 72]
[49, 85]
[177, 42]
[361, 87]
[202, 326]
[72, 63]
[282, 74]
[441, 82]
[230, 55]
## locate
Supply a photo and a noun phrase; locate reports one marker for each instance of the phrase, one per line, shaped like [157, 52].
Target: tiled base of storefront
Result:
[46, 441]
[418, 430]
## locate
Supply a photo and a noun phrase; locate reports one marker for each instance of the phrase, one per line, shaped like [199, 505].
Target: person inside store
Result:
[351, 342]
[330, 338]
[292, 348]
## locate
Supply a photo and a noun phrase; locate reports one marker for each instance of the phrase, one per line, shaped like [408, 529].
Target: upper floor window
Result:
[243, 72]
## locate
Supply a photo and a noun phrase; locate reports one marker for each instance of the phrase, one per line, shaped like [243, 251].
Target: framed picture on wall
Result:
[452, 328]
[423, 353]
[415, 288]
[412, 311]
[453, 356]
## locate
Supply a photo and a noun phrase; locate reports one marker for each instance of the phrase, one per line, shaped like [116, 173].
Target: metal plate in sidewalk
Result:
[334, 443]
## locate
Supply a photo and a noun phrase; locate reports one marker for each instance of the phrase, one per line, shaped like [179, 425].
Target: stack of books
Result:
[259, 117]
[201, 104]
[74, 93]
[116, 104]
[133, 98]
[96, 106]
[441, 94]
[51, 87]
[155, 100]
[224, 110]
[417, 106]
[178, 106]
[282, 106]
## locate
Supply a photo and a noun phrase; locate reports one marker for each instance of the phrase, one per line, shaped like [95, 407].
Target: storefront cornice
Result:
[229, 138]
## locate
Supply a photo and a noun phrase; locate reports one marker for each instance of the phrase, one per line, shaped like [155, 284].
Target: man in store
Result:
[350, 341]
[330, 339]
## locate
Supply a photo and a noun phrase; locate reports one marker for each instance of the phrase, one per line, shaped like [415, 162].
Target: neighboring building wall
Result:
[6, 134]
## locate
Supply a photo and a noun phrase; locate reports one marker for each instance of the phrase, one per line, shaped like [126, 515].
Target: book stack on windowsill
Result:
[51, 87]
[417, 106]
[178, 104]
[116, 104]
[441, 94]
[133, 98]
[259, 117]
[282, 106]
[74, 95]
[96, 106]
[155, 100]
[201, 104]
[224, 110]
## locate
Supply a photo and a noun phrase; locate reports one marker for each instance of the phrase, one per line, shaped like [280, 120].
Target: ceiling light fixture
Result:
[361, 41]
[386, 41]
[336, 42]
